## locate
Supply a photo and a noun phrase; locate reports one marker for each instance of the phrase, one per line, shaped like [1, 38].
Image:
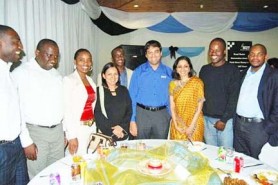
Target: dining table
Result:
[176, 156]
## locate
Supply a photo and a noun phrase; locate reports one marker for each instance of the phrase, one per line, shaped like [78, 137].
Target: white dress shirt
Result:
[40, 92]
[10, 120]
[248, 104]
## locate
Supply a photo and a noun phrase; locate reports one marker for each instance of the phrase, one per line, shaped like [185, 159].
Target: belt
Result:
[51, 126]
[89, 122]
[5, 141]
[250, 120]
[151, 108]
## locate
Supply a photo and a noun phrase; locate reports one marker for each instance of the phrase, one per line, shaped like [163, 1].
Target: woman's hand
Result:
[189, 131]
[179, 129]
[118, 131]
[73, 146]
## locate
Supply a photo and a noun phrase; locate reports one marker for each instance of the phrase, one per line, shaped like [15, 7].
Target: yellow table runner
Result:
[121, 167]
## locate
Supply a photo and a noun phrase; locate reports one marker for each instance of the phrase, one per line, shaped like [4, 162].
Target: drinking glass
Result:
[230, 155]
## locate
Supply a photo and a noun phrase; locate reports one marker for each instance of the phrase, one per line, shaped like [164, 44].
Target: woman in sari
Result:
[186, 102]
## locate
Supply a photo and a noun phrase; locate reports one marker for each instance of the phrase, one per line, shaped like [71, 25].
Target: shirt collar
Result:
[149, 67]
[36, 65]
[259, 72]
[5, 65]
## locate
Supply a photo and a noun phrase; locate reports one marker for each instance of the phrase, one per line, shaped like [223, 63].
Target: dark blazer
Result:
[268, 101]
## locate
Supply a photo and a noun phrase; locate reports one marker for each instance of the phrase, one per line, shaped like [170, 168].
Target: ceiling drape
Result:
[177, 22]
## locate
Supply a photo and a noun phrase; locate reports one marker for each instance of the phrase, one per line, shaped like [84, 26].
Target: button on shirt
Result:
[248, 104]
[40, 93]
[10, 120]
[150, 87]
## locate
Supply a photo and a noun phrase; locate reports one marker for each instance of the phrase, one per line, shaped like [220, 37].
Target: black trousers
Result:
[249, 137]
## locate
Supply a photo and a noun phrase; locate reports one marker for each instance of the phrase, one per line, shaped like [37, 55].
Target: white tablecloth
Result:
[269, 155]
[63, 166]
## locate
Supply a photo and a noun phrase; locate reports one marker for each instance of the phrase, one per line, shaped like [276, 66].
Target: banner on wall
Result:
[238, 53]
[134, 55]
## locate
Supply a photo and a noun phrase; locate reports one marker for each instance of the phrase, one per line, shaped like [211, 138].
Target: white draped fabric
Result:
[91, 7]
[208, 22]
[70, 26]
[34, 20]
[134, 20]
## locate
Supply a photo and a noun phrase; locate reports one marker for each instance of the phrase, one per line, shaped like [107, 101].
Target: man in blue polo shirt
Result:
[150, 98]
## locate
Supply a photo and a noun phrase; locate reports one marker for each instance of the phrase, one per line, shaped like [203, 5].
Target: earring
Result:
[74, 66]
[91, 68]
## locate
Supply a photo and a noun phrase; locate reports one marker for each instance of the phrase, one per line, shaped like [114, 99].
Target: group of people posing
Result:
[44, 116]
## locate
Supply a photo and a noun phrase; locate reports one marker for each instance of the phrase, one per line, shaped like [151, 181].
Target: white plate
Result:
[270, 175]
[143, 168]
[197, 146]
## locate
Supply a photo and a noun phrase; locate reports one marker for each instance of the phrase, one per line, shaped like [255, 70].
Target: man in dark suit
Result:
[257, 108]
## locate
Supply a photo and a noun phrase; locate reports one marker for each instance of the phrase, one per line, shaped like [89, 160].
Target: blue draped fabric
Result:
[254, 22]
[165, 52]
[190, 51]
[170, 25]
[246, 21]
[186, 51]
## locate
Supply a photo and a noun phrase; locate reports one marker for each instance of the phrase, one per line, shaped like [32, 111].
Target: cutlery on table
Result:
[190, 142]
[253, 165]
[44, 176]
[225, 172]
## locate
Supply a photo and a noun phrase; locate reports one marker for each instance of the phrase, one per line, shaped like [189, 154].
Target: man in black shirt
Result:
[222, 81]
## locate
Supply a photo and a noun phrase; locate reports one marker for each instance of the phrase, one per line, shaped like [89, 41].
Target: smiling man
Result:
[150, 98]
[257, 108]
[118, 58]
[13, 168]
[221, 80]
[40, 91]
